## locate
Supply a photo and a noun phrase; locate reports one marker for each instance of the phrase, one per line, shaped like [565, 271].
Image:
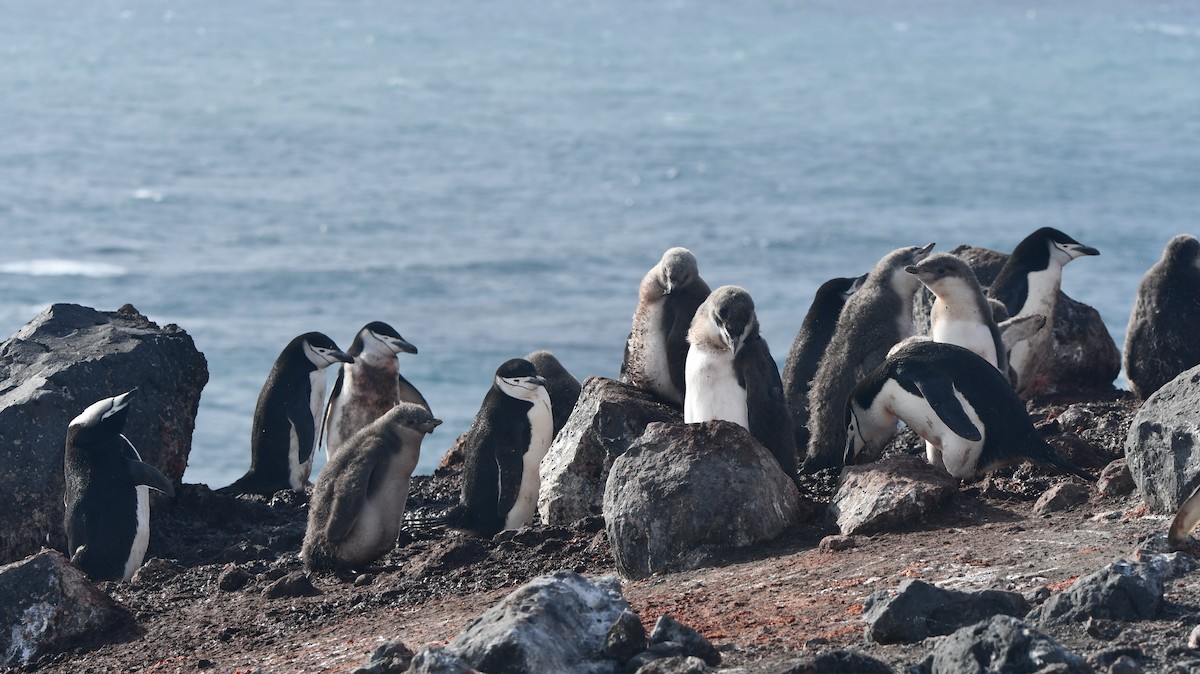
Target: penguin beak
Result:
[912, 269]
[341, 357]
[403, 345]
[119, 403]
[924, 252]
[1078, 249]
[537, 380]
[428, 426]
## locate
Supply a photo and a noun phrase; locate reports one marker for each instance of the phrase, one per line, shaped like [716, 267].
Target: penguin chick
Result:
[656, 350]
[562, 386]
[961, 314]
[357, 505]
[732, 376]
[1160, 341]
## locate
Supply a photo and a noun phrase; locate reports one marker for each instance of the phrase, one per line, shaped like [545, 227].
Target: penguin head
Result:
[321, 351]
[731, 316]
[517, 378]
[1048, 246]
[943, 272]
[1063, 248]
[1182, 251]
[102, 420]
[676, 269]
[379, 337]
[891, 269]
[413, 418]
[867, 431]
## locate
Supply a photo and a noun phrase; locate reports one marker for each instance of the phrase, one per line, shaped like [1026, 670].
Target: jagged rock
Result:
[232, 578]
[892, 493]
[685, 493]
[562, 386]
[47, 605]
[392, 657]
[1001, 645]
[693, 643]
[608, 417]
[439, 660]
[626, 638]
[680, 664]
[1115, 480]
[833, 662]
[1061, 496]
[1163, 444]
[1120, 591]
[65, 359]
[155, 572]
[295, 584]
[920, 610]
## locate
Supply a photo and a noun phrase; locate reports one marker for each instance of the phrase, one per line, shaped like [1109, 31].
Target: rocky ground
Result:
[223, 589]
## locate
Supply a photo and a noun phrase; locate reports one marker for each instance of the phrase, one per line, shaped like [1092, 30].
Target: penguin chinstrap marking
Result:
[732, 376]
[965, 410]
[961, 314]
[370, 386]
[284, 434]
[107, 493]
[1029, 283]
[815, 333]
[503, 451]
[357, 506]
[1161, 340]
[876, 317]
[656, 351]
[563, 387]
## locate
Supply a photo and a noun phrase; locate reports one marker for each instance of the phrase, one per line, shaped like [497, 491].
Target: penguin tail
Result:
[1051, 457]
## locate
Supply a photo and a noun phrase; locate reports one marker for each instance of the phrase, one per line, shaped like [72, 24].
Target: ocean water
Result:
[496, 177]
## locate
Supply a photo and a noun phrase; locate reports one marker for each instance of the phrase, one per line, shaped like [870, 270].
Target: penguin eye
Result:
[941, 270]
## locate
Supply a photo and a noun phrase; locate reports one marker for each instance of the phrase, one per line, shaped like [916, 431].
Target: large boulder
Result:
[920, 610]
[608, 417]
[890, 494]
[47, 605]
[1120, 591]
[1163, 445]
[684, 494]
[65, 359]
[1001, 644]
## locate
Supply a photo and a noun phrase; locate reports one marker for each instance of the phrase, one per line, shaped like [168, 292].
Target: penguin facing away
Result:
[964, 409]
[1161, 340]
[357, 506]
[562, 386]
[876, 317]
[284, 435]
[961, 314]
[732, 376]
[107, 492]
[503, 451]
[369, 386]
[656, 350]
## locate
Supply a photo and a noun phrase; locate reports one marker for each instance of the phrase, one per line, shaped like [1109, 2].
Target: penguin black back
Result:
[1160, 341]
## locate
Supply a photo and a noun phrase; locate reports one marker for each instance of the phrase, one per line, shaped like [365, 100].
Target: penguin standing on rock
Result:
[284, 434]
[732, 376]
[503, 451]
[369, 386]
[656, 351]
[107, 493]
[1161, 340]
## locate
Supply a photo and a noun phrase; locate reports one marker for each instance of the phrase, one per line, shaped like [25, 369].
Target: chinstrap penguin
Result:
[656, 350]
[284, 435]
[876, 317]
[964, 409]
[1162, 338]
[732, 376]
[107, 492]
[503, 452]
[562, 386]
[357, 505]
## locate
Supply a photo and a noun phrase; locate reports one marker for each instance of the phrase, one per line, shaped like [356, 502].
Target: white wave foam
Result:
[1171, 29]
[147, 194]
[58, 267]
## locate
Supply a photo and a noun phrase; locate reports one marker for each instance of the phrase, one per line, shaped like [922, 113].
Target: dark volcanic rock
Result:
[1061, 496]
[679, 664]
[294, 584]
[47, 605]
[65, 359]
[1120, 591]
[392, 657]
[1002, 645]
[607, 419]
[1163, 445]
[1115, 480]
[895, 492]
[438, 660]
[833, 662]
[921, 610]
[693, 643]
[626, 638]
[685, 493]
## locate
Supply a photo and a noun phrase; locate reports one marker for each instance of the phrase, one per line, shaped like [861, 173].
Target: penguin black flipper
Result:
[1012, 291]
[144, 474]
[333, 396]
[766, 408]
[408, 393]
[299, 415]
[938, 391]
[509, 467]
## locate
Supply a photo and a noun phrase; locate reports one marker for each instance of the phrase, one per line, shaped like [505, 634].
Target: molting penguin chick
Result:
[503, 451]
[1161, 340]
[284, 435]
[961, 314]
[732, 376]
[1028, 283]
[369, 386]
[966, 411]
[656, 351]
[876, 317]
[357, 506]
[107, 493]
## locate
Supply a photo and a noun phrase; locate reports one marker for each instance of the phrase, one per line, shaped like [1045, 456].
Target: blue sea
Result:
[493, 177]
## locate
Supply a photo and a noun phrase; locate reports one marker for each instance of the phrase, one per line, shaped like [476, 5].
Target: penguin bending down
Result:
[503, 451]
[562, 386]
[961, 314]
[370, 385]
[732, 376]
[357, 506]
[284, 434]
[876, 317]
[1185, 520]
[964, 409]
[656, 351]
[1161, 339]
[107, 493]
[1028, 283]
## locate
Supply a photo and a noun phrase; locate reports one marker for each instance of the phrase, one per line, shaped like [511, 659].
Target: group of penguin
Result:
[855, 369]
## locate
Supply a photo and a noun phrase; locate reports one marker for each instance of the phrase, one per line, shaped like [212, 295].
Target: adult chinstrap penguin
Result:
[369, 386]
[1161, 340]
[503, 451]
[107, 497]
[964, 409]
[656, 350]
[732, 376]
[357, 506]
[285, 429]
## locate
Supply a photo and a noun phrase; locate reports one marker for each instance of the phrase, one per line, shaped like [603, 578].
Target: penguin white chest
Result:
[969, 334]
[298, 471]
[713, 391]
[943, 447]
[541, 432]
[141, 538]
[1042, 298]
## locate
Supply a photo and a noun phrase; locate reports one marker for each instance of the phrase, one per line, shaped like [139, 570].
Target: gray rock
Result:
[888, 494]
[439, 660]
[1115, 480]
[1061, 496]
[685, 493]
[47, 605]
[693, 643]
[682, 664]
[393, 657]
[1125, 665]
[1163, 444]
[295, 584]
[1120, 591]
[65, 359]
[920, 610]
[626, 638]
[232, 578]
[1003, 645]
[562, 386]
[608, 417]
[835, 543]
[833, 662]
